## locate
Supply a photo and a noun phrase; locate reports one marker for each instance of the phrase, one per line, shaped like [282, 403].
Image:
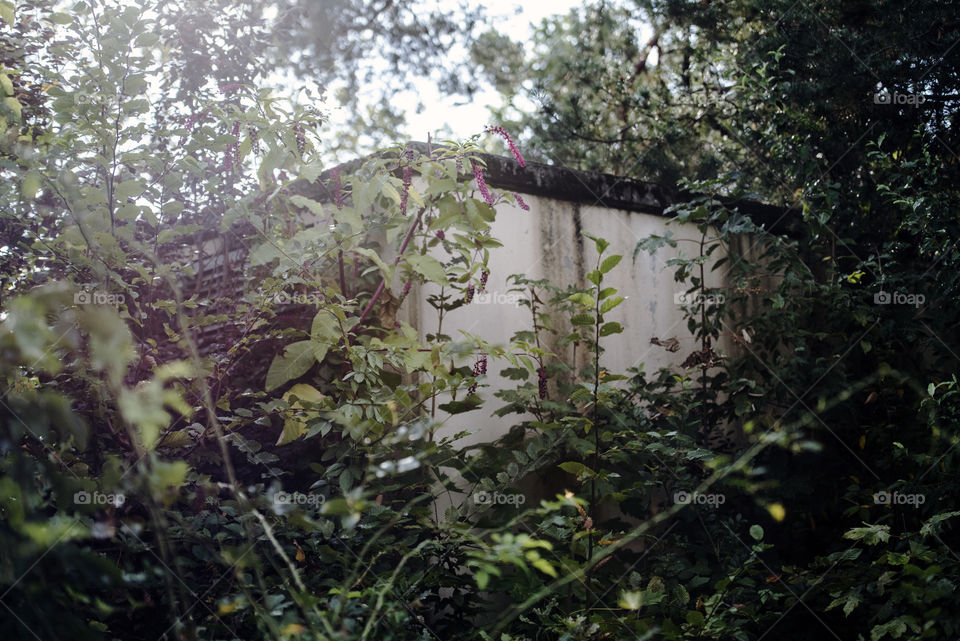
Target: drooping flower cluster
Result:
[524, 206]
[229, 156]
[481, 183]
[254, 139]
[468, 297]
[337, 187]
[542, 382]
[406, 287]
[407, 178]
[479, 369]
[484, 275]
[500, 131]
[440, 234]
[301, 137]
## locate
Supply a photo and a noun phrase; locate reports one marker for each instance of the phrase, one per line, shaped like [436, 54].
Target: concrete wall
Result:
[548, 242]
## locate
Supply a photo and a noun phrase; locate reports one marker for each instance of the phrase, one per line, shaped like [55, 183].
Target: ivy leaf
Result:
[294, 362]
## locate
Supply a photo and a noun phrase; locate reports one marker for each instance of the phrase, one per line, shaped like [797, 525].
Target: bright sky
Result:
[512, 19]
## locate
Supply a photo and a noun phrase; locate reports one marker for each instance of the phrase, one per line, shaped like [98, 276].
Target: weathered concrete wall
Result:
[548, 242]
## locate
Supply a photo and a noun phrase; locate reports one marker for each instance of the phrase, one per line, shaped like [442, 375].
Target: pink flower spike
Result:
[524, 206]
[481, 183]
[500, 131]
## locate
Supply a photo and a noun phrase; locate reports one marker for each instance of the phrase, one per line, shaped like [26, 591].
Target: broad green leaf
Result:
[610, 303]
[756, 532]
[307, 203]
[582, 320]
[610, 328]
[292, 430]
[30, 185]
[325, 327]
[304, 392]
[581, 298]
[296, 359]
[610, 262]
[7, 12]
[429, 267]
[579, 469]
[385, 270]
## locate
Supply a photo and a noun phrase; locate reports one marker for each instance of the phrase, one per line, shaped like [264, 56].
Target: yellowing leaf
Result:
[226, 608]
[301, 557]
[293, 628]
[777, 512]
[863, 441]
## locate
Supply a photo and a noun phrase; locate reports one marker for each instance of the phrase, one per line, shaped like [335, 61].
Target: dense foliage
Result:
[214, 425]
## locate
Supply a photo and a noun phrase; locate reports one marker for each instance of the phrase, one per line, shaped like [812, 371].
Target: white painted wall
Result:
[544, 243]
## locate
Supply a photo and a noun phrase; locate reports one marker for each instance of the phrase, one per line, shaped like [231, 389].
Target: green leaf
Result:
[307, 203]
[582, 320]
[579, 469]
[610, 262]
[304, 392]
[30, 185]
[756, 532]
[429, 267]
[7, 12]
[325, 328]
[293, 363]
[292, 430]
[581, 298]
[695, 618]
[610, 328]
[544, 566]
[610, 303]
[375, 257]
[599, 243]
